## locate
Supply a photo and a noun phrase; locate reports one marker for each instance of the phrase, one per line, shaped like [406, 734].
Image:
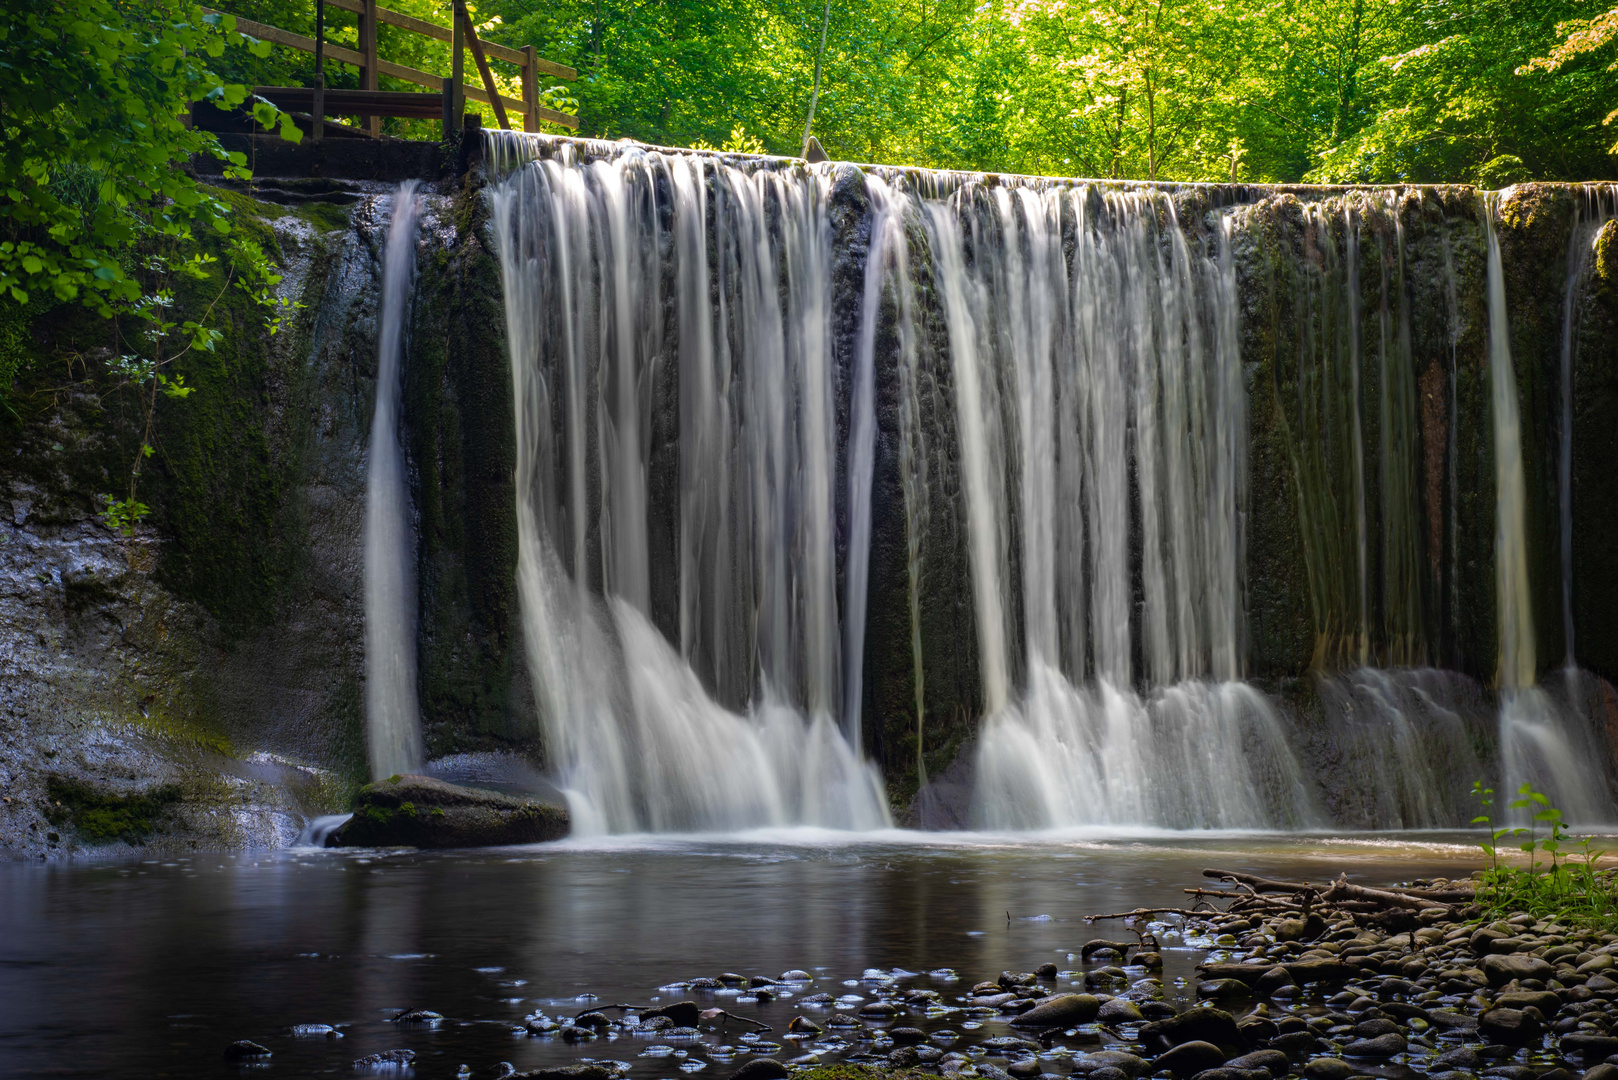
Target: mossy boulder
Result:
[419, 811]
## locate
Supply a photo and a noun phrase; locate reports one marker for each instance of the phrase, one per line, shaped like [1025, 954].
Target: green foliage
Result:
[1566, 886]
[100, 816]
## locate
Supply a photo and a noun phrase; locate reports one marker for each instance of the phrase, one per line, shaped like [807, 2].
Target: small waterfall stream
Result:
[752, 394]
[393, 722]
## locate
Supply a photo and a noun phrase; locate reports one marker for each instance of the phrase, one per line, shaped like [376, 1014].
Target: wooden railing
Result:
[452, 92]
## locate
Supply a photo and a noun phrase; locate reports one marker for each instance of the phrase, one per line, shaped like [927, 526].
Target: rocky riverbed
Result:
[1458, 998]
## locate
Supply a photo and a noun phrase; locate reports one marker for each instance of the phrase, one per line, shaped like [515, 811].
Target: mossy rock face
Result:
[419, 811]
[100, 815]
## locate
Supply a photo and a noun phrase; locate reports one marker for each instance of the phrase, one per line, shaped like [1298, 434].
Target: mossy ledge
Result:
[420, 811]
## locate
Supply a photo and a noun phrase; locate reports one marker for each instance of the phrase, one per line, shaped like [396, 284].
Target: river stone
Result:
[1603, 962]
[842, 1020]
[1370, 1029]
[1604, 1071]
[1383, 1046]
[1225, 1072]
[1296, 1044]
[1300, 929]
[1061, 1010]
[1011, 980]
[1546, 1001]
[1500, 970]
[1589, 1046]
[1024, 1068]
[1272, 980]
[907, 1036]
[802, 1025]
[567, 1072]
[1462, 1057]
[761, 1068]
[1598, 983]
[423, 812]
[1119, 1011]
[1006, 1044]
[1329, 1069]
[1274, 1060]
[1194, 1025]
[679, 1013]
[1129, 1064]
[1046, 971]
[1190, 1058]
[1223, 988]
[386, 1059]
[1107, 1072]
[795, 975]
[1512, 1027]
[1322, 970]
[245, 1050]
[882, 1009]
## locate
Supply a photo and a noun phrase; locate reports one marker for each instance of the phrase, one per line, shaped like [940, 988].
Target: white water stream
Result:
[392, 718]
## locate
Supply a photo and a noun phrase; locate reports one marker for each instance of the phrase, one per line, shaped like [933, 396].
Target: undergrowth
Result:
[1560, 880]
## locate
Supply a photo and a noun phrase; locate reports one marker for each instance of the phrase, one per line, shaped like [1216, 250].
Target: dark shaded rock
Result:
[1257, 1030]
[386, 1059]
[1329, 1069]
[1382, 1046]
[1119, 1011]
[567, 1072]
[1008, 1044]
[802, 1025]
[1046, 971]
[1513, 1027]
[421, 1016]
[761, 1068]
[1024, 1068]
[1462, 1057]
[1272, 980]
[762, 980]
[1223, 988]
[420, 811]
[879, 1009]
[1274, 1060]
[795, 975]
[595, 1021]
[1225, 1072]
[1300, 929]
[907, 1036]
[1062, 1010]
[1296, 1044]
[245, 1050]
[1500, 970]
[1157, 1010]
[679, 1013]
[572, 1033]
[1194, 1025]
[1370, 1029]
[1510, 1072]
[1189, 1058]
[1011, 980]
[1604, 1071]
[1589, 1046]
[1545, 1001]
[842, 1020]
[1107, 1072]
[1305, 972]
[1446, 1020]
[1128, 1064]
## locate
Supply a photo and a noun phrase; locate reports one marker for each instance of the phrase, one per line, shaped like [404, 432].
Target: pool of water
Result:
[149, 969]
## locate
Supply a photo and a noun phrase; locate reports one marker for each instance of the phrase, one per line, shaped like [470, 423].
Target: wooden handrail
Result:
[488, 94]
[442, 33]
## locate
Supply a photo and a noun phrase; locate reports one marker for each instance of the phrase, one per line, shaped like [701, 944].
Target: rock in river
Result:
[1194, 1025]
[420, 811]
[1061, 1010]
[245, 1050]
[1190, 1058]
[1502, 969]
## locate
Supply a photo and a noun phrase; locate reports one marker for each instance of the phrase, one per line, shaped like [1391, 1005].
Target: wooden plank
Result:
[356, 102]
[278, 36]
[483, 65]
[441, 33]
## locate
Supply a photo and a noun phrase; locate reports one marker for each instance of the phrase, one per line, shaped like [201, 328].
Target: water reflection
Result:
[150, 969]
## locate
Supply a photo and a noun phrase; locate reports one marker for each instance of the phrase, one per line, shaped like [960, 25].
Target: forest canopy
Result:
[1484, 91]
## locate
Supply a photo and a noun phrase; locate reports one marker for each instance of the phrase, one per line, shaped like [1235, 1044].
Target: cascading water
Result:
[393, 722]
[1122, 384]
[1539, 744]
[729, 372]
[736, 315]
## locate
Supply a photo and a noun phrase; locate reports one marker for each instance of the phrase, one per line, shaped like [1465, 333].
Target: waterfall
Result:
[688, 672]
[763, 408]
[393, 723]
[1540, 743]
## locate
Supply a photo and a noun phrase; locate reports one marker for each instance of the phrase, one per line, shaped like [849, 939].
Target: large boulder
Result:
[420, 811]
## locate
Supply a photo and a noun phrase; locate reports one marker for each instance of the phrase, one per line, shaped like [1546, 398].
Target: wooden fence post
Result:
[368, 73]
[457, 68]
[530, 90]
[318, 112]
